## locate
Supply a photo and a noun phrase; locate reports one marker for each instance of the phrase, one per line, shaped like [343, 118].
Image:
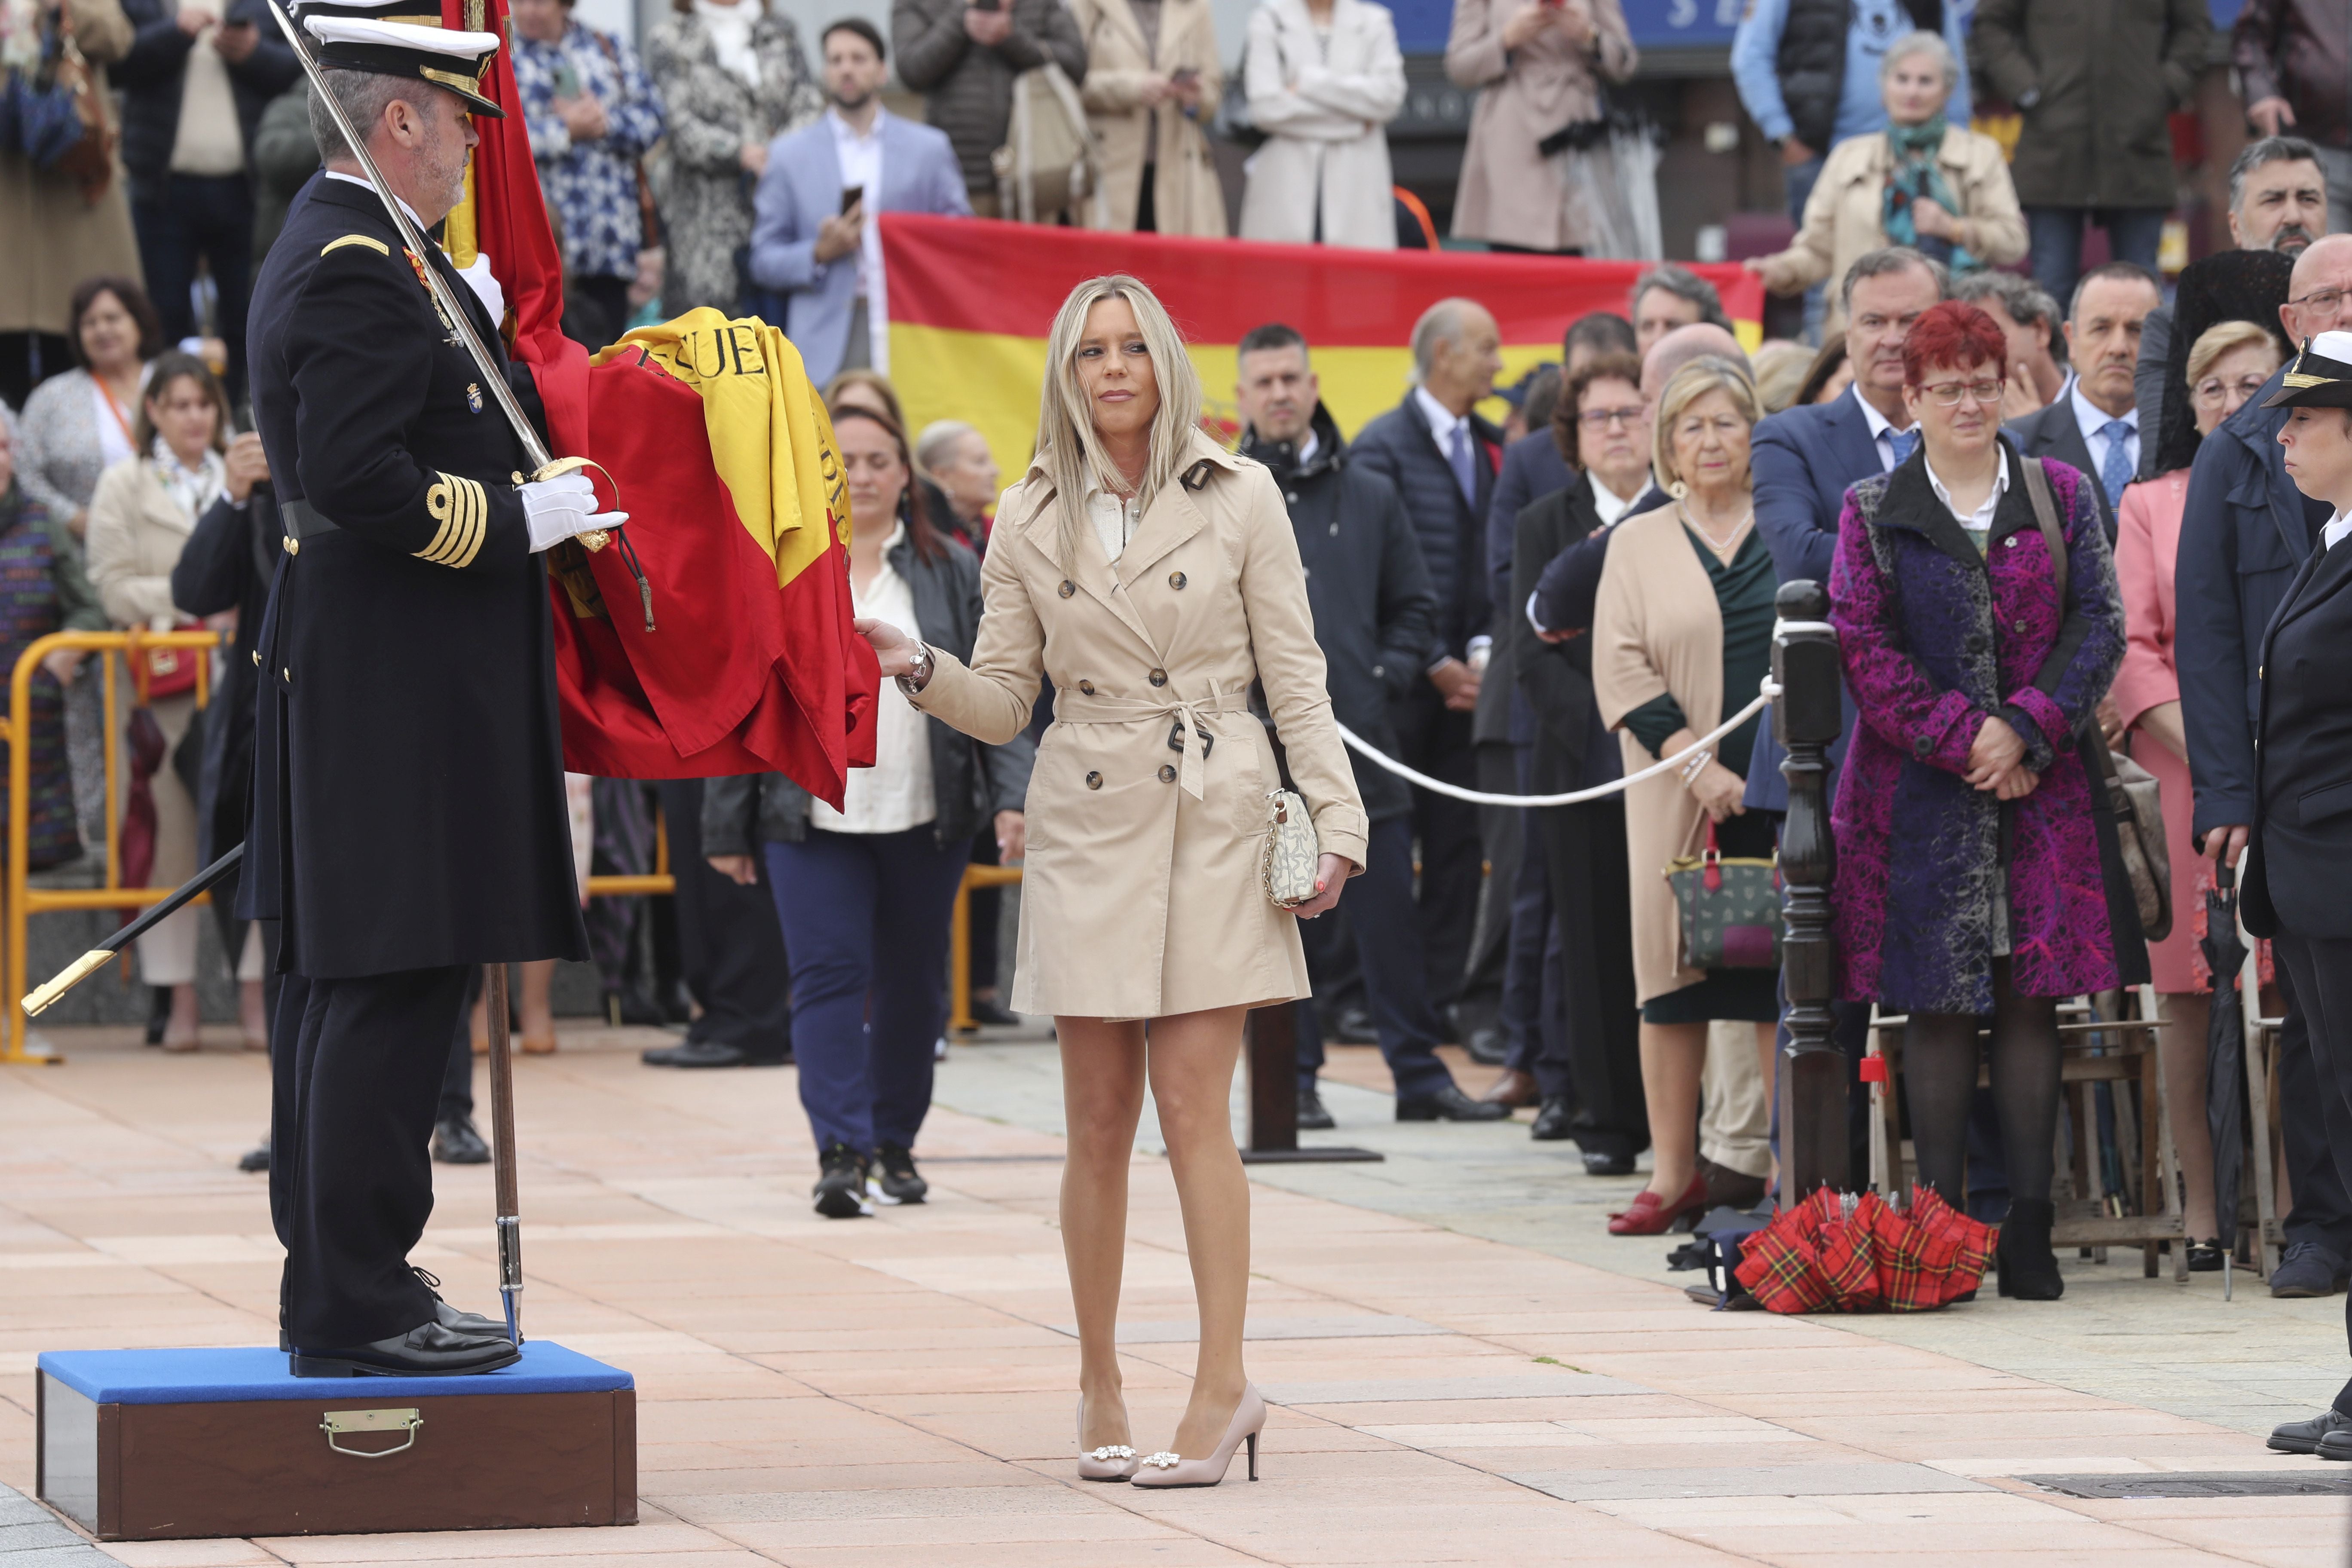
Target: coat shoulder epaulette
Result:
[379, 246]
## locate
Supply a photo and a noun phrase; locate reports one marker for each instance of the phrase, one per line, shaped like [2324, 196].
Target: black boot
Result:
[2028, 1270]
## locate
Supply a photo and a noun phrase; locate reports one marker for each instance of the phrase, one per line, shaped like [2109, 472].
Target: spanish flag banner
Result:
[734, 652]
[971, 301]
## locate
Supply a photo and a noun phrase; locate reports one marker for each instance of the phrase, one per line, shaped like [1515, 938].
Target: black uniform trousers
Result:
[1379, 906]
[2320, 970]
[1536, 982]
[1436, 740]
[2323, 1202]
[1593, 903]
[356, 1067]
[731, 947]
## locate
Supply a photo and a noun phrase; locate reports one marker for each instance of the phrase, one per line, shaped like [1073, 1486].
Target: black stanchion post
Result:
[1270, 1036]
[1806, 719]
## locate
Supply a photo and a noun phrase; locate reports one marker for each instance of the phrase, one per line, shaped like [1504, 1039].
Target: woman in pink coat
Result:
[2227, 364]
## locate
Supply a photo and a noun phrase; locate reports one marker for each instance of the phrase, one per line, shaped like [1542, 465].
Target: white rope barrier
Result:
[1574, 797]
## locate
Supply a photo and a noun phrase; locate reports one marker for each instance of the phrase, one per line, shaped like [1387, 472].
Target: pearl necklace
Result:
[1724, 548]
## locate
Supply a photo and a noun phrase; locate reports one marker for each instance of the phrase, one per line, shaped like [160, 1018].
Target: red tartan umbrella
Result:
[1838, 1252]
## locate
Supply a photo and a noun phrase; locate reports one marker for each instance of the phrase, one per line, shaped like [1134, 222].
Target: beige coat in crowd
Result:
[1656, 629]
[1141, 894]
[50, 238]
[1325, 106]
[1845, 215]
[1509, 193]
[1186, 195]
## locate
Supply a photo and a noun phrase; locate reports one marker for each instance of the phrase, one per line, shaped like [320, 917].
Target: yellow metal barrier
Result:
[960, 941]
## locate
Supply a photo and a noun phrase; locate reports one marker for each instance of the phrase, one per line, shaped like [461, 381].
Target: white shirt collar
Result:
[2091, 419]
[1607, 503]
[1981, 519]
[1309, 447]
[1879, 423]
[2333, 534]
[1442, 419]
[844, 130]
[364, 184]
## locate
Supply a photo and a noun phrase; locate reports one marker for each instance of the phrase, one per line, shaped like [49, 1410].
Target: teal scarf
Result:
[1916, 176]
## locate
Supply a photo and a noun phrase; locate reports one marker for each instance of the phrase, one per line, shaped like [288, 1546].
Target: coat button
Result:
[293, 545]
[289, 673]
[2010, 543]
[1067, 588]
[257, 659]
[1094, 781]
[1167, 773]
[2021, 627]
[1157, 677]
[1176, 579]
[1087, 687]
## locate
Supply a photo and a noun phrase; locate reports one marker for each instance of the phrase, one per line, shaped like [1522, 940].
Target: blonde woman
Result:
[1153, 575]
[1682, 634]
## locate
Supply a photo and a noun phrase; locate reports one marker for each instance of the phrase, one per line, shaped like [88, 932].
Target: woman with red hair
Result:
[1980, 625]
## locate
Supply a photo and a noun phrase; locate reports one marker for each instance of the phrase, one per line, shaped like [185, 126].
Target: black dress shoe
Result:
[1607, 1163]
[429, 1350]
[450, 1317]
[2029, 1271]
[695, 1054]
[1448, 1104]
[254, 1159]
[454, 1143]
[1486, 1046]
[988, 1010]
[2309, 1436]
[1552, 1119]
[1312, 1116]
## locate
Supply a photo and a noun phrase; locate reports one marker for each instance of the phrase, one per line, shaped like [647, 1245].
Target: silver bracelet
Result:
[1696, 766]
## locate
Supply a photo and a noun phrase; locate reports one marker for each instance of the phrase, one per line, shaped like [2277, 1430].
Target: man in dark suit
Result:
[2094, 424]
[2244, 531]
[1371, 599]
[408, 817]
[2299, 856]
[1442, 457]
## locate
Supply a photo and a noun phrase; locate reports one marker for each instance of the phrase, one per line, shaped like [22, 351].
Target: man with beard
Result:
[1373, 605]
[2096, 425]
[408, 817]
[2278, 201]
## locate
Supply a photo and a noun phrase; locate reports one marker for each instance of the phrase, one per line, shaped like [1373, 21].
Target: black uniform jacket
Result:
[2302, 837]
[408, 773]
[1573, 748]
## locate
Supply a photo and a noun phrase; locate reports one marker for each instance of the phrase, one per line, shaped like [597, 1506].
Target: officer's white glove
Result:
[556, 510]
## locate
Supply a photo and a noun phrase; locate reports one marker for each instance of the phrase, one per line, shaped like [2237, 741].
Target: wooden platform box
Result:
[164, 1444]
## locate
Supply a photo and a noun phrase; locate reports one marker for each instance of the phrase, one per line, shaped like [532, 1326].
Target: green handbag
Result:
[1727, 912]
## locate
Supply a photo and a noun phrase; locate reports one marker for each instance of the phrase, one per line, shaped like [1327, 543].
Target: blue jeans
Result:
[1380, 913]
[198, 216]
[854, 904]
[2056, 236]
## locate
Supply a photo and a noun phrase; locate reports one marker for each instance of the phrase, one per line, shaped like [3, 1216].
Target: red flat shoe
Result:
[1653, 1216]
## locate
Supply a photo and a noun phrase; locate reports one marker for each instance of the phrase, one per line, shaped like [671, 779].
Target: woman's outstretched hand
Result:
[1332, 874]
[891, 646]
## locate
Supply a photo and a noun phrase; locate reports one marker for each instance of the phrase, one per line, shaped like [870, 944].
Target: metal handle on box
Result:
[339, 1422]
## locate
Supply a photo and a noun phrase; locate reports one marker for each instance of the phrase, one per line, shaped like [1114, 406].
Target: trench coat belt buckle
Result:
[301, 519]
[1074, 706]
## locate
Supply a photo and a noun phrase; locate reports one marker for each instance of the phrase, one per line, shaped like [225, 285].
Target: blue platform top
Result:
[223, 1376]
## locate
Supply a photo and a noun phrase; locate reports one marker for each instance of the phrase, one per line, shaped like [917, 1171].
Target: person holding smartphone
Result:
[962, 56]
[1153, 80]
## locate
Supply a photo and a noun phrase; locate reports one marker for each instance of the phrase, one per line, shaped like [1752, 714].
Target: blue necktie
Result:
[2117, 471]
[1904, 443]
[1457, 455]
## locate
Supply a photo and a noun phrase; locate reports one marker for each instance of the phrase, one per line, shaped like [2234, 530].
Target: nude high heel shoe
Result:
[1111, 1462]
[1166, 1469]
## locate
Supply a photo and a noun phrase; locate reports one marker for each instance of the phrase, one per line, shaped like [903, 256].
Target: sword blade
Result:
[414, 238]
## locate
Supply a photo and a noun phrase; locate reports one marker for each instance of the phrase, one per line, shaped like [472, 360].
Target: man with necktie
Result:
[2096, 425]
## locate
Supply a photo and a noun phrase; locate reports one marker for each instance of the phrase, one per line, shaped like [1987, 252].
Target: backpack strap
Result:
[2045, 517]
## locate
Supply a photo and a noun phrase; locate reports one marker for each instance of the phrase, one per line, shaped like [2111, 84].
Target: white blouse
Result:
[896, 792]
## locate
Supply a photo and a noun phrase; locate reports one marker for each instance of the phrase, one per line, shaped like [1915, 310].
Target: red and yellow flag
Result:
[971, 301]
[724, 461]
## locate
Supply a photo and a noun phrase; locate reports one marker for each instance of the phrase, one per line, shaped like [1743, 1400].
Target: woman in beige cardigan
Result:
[1540, 68]
[140, 516]
[1153, 80]
[1941, 188]
[1154, 576]
[1682, 632]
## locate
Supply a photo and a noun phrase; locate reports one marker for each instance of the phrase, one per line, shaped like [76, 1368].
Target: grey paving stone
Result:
[1816, 1479]
[31, 1537]
[16, 1507]
[33, 1533]
[1388, 1391]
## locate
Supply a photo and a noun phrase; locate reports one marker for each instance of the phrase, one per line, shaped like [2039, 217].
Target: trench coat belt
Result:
[1072, 706]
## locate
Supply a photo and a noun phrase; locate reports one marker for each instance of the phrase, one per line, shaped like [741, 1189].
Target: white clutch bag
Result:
[1286, 865]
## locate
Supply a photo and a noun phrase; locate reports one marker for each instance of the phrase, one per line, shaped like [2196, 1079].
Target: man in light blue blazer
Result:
[822, 251]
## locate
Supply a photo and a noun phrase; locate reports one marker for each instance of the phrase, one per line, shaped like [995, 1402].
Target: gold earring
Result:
[1678, 489]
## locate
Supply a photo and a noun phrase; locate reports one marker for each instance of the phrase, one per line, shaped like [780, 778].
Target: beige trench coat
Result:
[1845, 215]
[1509, 193]
[50, 238]
[1141, 895]
[1656, 629]
[1186, 196]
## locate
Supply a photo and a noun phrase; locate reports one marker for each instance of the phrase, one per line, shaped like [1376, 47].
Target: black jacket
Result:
[1399, 447]
[150, 76]
[1368, 590]
[971, 783]
[1573, 748]
[2301, 835]
[226, 566]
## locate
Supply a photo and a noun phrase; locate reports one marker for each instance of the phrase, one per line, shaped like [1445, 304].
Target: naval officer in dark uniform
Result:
[409, 822]
[2299, 859]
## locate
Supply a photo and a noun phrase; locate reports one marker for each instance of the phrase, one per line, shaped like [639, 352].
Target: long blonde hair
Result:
[1068, 448]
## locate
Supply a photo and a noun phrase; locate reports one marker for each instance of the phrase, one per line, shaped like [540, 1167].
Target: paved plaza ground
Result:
[1464, 1367]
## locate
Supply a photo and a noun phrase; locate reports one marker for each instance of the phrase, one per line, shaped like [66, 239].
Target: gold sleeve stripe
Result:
[375, 245]
[459, 505]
